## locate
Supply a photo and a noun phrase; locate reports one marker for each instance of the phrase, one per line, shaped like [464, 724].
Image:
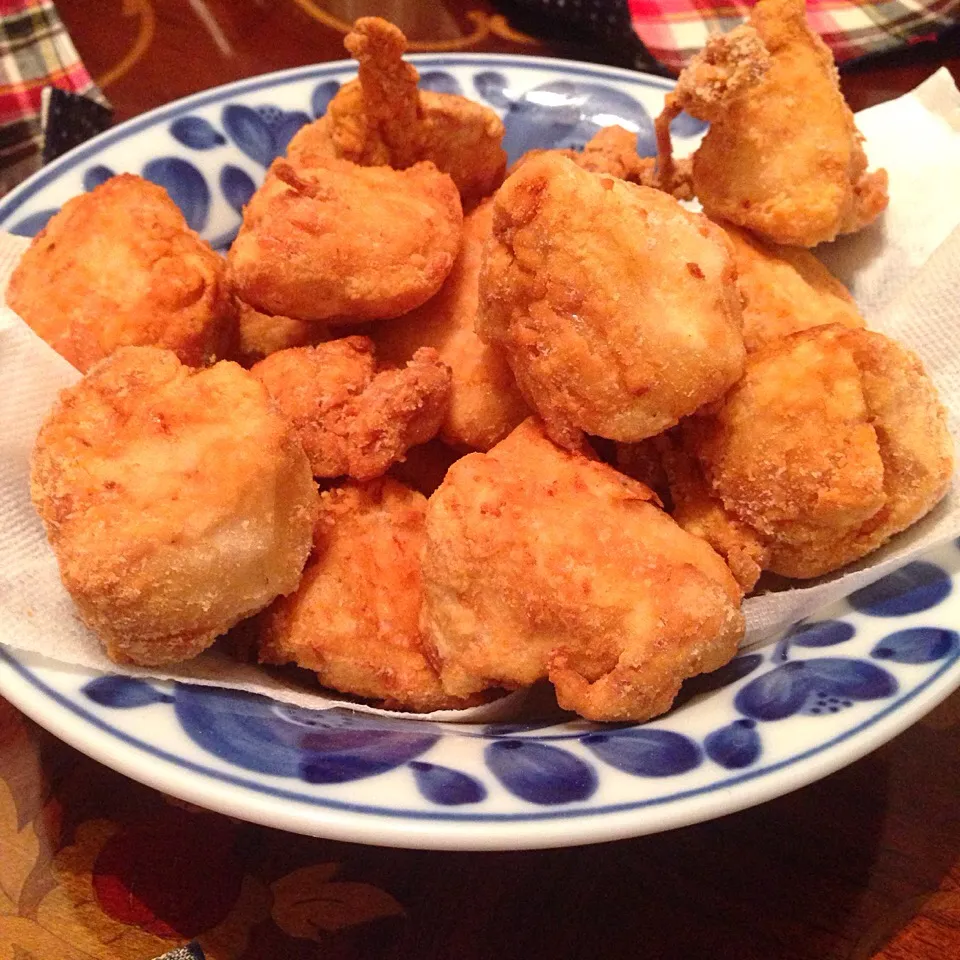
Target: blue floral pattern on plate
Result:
[806, 700]
[337, 745]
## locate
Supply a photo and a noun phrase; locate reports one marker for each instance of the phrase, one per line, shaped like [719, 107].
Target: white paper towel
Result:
[904, 272]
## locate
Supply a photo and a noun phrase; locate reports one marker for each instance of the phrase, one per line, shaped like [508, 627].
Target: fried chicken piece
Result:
[120, 267]
[783, 157]
[541, 563]
[383, 119]
[351, 420]
[728, 65]
[346, 242]
[387, 118]
[485, 402]
[611, 150]
[354, 620]
[567, 152]
[177, 502]
[700, 513]
[785, 289]
[833, 441]
[617, 308]
[261, 334]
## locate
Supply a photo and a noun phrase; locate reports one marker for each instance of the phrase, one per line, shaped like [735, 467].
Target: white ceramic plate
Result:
[779, 716]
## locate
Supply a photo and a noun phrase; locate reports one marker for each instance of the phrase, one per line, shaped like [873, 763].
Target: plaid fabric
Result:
[674, 30]
[35, 51]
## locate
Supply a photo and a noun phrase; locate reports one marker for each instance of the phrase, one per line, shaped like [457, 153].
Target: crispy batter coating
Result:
[833, 441]
[383, 119]
[485, 402]
[611, 150]
[261, 334]
[346, 242]
[388, 113]
[351, 420]
[785, 289]
[728, 65]
[703, 515]
[617, 308]
[543, 563]
[355, 618]
[120, 267]
[177, 501]
[783, 158]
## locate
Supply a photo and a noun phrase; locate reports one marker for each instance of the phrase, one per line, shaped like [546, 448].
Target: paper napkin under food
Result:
[904, 272]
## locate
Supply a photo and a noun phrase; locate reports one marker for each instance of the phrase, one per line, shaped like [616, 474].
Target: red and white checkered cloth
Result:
[35, 52]
[674, 30]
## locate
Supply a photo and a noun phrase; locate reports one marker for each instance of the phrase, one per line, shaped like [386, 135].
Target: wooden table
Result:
[865, 864]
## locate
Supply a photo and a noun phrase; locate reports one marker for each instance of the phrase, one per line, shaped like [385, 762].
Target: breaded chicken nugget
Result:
[611, 150]
[177, 501]
[354, 620]
[702, 514]
[261, 334]
[346, 242]
[833, 441]
[785, 289]
[783, 157]
[546, 564]
[351, 420]
[383, 119]
[618, 309]
[728, 65]
[120, 267]
[485, 402]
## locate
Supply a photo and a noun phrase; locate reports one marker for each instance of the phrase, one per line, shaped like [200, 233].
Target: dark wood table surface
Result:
[864, 864]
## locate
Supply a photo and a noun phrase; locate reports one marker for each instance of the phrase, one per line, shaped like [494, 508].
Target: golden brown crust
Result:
[727, 66]
[463, 139]
[785, 290]
[388, 92]
[703, 514]
[485, 403]
[346, 242]
[383, 119]
[354, 620]
[120, 267]
[612, 150]
[617, 308]
[832, 442]
[545, 564]
[177, 502]
[260, 334]
[352, 421]
[784, 158]
[791, 450]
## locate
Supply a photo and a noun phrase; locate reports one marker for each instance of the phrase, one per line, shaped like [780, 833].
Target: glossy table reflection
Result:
[865, 864]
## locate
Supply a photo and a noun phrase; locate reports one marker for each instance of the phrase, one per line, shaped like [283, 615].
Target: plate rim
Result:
[335, 820]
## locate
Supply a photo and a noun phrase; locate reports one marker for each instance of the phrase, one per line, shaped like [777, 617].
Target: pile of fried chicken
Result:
[434, 429]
